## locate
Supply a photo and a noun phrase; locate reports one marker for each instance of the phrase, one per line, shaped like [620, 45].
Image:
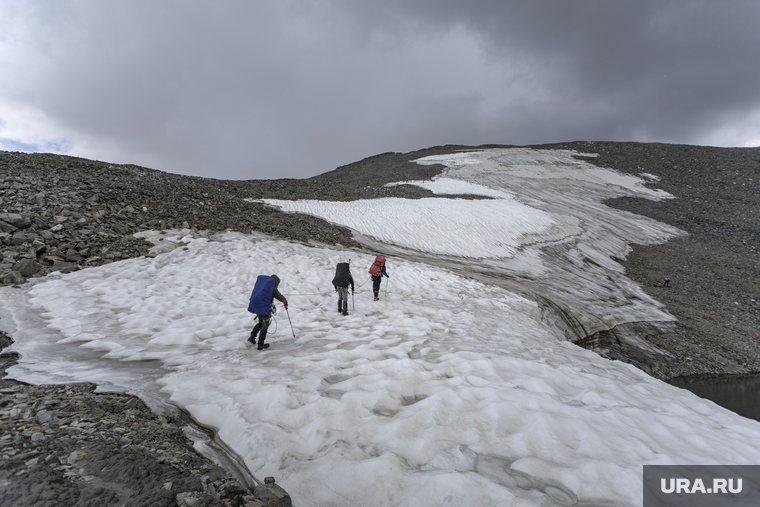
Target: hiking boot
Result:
[345, 312]
[262, 337]
[377, 298]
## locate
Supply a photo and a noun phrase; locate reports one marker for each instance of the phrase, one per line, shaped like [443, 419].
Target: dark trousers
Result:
[342, 299]
[376, 280]
[261, 328]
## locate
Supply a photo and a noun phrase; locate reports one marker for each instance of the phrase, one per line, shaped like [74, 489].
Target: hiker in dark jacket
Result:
[377, 270]
[341, 282]
[263, 320]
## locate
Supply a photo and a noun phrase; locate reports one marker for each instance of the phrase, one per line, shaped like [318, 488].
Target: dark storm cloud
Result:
[282, 89]
[665, 70]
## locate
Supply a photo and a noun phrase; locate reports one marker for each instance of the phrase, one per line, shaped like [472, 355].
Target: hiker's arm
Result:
[276, 294]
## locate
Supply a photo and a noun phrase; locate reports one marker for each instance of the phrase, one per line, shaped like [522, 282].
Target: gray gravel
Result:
[65, 213]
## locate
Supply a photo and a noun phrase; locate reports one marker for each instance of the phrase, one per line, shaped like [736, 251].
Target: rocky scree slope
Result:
[61, 213]
[715, 270]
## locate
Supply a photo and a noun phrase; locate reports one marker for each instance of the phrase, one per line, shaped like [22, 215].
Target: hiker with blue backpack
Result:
[262, 304]
[377, 270]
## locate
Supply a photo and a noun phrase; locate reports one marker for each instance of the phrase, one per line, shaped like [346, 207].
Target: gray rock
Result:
[12, 278]
[187, 499]
[75, 456]
[46, 417]
[73, 256]
[20, 238]
[52, 460]
[6, 227]
[16, 220]
[64, 267]
[271, 494]
[251, 501]
[27, 267]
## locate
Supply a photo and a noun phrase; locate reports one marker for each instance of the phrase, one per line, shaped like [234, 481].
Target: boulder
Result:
[12, 278]
[64, 267]
[27, 267]
[271, 494]
[16, 220]
[22, 237]
[73, 256]
[5, 227]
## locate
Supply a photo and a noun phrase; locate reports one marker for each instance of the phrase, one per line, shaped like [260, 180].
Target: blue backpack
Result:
[261, 295]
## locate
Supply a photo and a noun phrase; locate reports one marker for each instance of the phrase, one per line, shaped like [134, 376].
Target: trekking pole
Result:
[387, 283]
[353, 305]
[291, 322]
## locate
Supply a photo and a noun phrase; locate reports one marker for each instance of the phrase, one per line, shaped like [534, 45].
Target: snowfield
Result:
[447, 391]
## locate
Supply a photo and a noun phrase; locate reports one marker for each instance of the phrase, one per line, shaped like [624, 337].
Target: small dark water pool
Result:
[738, 393]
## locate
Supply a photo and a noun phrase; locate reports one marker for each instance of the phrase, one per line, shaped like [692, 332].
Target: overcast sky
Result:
[244, 89]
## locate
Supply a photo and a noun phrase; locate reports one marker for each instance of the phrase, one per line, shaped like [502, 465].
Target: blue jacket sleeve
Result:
[384, 272]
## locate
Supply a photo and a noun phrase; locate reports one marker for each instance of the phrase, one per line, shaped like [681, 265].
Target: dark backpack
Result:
[342, 275]
[261, 296]
[377, 267]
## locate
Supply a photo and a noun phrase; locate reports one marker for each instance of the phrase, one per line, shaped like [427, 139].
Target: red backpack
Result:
[377, 267]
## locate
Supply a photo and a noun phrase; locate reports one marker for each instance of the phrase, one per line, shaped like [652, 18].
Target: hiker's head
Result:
[276, 280]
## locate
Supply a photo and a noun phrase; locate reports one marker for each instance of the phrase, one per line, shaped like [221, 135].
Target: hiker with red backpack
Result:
[377, 270]
[341, 282]
[262, 304]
